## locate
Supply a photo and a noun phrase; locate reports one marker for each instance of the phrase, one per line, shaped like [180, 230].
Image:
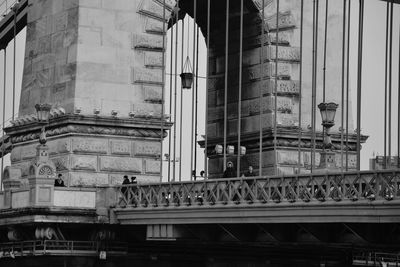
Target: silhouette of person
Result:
[229, 171]
[59, 181]
[249, 172]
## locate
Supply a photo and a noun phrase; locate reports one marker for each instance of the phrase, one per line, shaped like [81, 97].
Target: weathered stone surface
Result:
[147, 41]
[80, 162]
[285, 20]
[29, 152]
[74, 199]
[155, 26]
[147, 109]
[59, 146]
[151, 9]
[61, 163]
[152, 93]
[120, 147]
[120, 164]
[147, 149]
[89, 145]
[152, 166]
[153, 59]
[144, 75]
[88, 179]
[287, 157]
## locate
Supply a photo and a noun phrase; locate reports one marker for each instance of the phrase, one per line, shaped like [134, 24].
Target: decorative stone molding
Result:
[146, 133]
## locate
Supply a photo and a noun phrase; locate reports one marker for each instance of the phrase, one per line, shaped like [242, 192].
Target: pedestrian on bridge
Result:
[229, 171]
[59, 181]
[124, 189]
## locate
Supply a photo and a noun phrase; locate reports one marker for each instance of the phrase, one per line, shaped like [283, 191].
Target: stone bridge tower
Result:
[99, 63]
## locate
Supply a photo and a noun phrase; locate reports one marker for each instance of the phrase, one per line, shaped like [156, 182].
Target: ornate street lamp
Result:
[187, 75]
[43, 114]
[328, 112]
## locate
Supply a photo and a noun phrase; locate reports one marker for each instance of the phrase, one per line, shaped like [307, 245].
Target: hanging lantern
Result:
[187, 75]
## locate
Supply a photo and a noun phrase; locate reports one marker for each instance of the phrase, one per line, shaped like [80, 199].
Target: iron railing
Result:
[353, 186]
[60, 247]
[376, 259]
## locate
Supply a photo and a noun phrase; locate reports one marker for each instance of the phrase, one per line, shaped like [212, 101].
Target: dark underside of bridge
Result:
[217, 245]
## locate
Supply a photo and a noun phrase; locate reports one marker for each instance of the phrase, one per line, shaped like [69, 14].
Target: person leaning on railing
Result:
[124, 189]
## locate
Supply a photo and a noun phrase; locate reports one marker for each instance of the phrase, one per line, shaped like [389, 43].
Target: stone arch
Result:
[253, 77]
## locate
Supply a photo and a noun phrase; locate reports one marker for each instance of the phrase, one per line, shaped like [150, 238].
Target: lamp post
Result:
[328, 112]
[43, 113]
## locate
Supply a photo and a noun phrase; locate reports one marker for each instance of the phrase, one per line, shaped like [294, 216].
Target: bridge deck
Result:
[371, 197]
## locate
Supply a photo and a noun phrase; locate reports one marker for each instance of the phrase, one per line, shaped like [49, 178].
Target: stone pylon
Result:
[100, 65]
[285, 105]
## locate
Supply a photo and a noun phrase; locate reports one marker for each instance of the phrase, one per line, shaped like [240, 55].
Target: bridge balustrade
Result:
[329, 187]
[60, 247]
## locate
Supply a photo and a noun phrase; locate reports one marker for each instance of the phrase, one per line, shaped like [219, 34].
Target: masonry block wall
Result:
[282, 158]
[87, 55]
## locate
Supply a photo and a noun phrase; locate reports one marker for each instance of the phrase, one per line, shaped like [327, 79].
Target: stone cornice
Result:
[288, 137]
[136, 127]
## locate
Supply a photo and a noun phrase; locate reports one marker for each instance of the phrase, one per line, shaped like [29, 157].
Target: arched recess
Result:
[258, 74]
[252, 25]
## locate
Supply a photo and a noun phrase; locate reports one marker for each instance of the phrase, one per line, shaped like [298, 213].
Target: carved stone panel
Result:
[147, 149]
[153, 59]
[152, 93]
[120, 147]
[152, 166]
[146, 75]
[89, 145]
[147, 41]
[88, 179]
[29, 151]
[120, 164]
[287, 157]
[79, 162]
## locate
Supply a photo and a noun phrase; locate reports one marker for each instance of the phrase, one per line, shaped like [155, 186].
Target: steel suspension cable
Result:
[398, 111]
[162, 95]
[176, 87]
[260, 104]
[193, 93]
[197, 100]
[390, 80]
[4, 113]
[170, 102]
[314, 81]
[276, 89]
[386, 87]
[207, 86]
[226, 80]
[239, 125]
[324, 68]
[15, 9]
[325, 43]
[300, 84]
[181, 104]
[347, 84]
[359, 80]
[342, 96]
